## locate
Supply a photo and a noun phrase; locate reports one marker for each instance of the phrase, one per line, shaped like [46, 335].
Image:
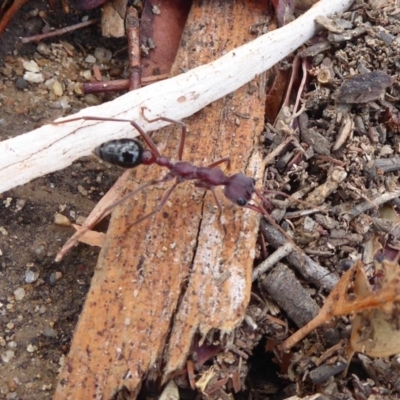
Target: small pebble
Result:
[13, 384]
[2, 341]
[90, 59]
[46, 388]
[40, 250]
[42, 309]
[34, 77]
[31, 348]
[78, 88]
[7, 202]
[64, 102]
[3, 231]
[57, 89]
[34, 12]
[10, 325]
[49, 83]
[50, 332]
[31, 276]
[20, 204]
[62, 220]
[87, 74]
[82, 190]
[31, 66]
[103, 55]
[92, 100]
[54, 277]
[21, 83]
[7, 356]
[19, 294]
[43, 49]
[12, 344]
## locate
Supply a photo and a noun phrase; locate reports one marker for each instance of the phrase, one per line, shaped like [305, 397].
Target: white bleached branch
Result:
[54, 147]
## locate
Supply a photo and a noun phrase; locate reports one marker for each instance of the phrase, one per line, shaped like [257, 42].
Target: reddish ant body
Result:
[129, 153]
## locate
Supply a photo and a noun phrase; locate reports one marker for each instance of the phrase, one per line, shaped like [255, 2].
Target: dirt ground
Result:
[36, 330]
[40, 300]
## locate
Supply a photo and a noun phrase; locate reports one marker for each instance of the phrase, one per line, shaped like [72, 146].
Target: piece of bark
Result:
[51, 148]
[350, 210]
[164, 31]
[319, 143]
[182, 271]
[321, 192]
[323, 372]
[283, 286]
[363, 88]
[381, 166]
[113, 18]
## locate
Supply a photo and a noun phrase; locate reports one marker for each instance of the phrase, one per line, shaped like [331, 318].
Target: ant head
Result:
[126, 153]
[239, 189]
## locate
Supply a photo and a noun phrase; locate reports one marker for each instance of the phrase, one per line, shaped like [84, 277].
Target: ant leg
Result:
[147, 139]
[220, 161]
[89, 118]
[158, 208]
[106, 211]
[219, 208]
[263, 199]
[260, 209]
[287, 196]
[216, 202]
[142, 133]
[173, 121]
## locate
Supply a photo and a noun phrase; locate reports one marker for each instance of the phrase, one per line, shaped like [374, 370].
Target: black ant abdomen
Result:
[126, 153]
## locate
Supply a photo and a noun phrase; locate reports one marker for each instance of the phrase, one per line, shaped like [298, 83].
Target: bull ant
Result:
[129, 153]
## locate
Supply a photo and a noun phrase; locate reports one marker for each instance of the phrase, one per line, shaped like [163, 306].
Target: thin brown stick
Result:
[58, 32]
[132, 35]
[119, 84]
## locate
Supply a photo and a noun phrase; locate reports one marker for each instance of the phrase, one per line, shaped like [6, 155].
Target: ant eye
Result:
[241, 201]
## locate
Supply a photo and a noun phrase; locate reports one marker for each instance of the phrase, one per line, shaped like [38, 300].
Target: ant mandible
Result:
[129, 153]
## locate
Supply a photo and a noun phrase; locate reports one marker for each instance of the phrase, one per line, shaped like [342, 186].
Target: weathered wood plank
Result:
[181, 271]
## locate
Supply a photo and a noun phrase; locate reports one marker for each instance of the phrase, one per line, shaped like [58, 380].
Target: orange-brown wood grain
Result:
[182, 271]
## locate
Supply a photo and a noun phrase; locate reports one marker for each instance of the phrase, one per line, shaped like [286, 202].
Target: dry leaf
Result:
[375, 332]
[376, 325]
